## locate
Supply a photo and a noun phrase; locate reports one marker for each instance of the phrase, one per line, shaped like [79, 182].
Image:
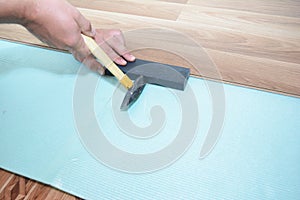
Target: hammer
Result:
[134, 89]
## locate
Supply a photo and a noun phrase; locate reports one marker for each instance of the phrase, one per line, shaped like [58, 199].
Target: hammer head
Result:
[153, 73]
[133, 93]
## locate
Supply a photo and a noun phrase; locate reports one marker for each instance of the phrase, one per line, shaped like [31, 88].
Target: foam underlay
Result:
[256, 154]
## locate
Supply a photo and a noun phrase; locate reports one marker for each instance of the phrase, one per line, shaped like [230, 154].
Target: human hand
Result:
[59, 24]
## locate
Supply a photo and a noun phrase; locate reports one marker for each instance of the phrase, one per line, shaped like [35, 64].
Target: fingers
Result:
[111, 53]
[93, 64]
[85, 25]
[83, 55]
[113, 43]
[117, 42]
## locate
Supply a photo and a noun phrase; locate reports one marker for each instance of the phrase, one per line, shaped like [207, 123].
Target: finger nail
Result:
[122, 62]
[132, 58]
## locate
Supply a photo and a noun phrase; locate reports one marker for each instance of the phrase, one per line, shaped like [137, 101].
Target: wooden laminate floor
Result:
[252, 43]
[14, 187]
[255, 43]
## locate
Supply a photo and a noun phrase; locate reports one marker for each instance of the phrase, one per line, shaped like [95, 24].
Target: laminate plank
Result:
[276, 56]
[290, 8]
[40, 191]
[20, 197]
[213, 37]
[22, 186]
[5, 179]
[54, 194]
[68, 197]
[232, 61]
[277, 53]
[156, 9]
[12, 191]
[247, 22]
[268, 74]
[174, 1]
[4, 175]
[239, 70]
[34, 191]
[282, 49]
[11, 179]
[9, 187]
[18, 33]
[19, 188]
[29, 185]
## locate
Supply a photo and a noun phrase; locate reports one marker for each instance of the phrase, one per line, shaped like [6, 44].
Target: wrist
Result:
[28, 11]
[16, 11]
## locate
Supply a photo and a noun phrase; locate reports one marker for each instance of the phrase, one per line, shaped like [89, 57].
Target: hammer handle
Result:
[103, 58]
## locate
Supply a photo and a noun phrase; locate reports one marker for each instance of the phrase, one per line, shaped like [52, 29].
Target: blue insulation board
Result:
[256, 156]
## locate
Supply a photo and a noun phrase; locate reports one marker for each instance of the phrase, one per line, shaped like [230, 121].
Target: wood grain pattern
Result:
[165, 10]
[247, 22]
[273, 7]
[14, 187]
[270, 40]
[251, 43]
[254, 53]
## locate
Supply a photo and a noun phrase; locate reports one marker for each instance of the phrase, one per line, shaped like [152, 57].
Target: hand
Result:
[59, 24]
[113, 43]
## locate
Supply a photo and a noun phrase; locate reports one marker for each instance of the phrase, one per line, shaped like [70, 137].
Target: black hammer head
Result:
[153, 73]
[133, 93]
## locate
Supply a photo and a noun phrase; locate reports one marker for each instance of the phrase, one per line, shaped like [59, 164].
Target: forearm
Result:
[14, 11]
[60, 25]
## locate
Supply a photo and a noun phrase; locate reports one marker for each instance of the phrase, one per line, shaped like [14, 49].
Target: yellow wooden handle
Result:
[103, 58]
